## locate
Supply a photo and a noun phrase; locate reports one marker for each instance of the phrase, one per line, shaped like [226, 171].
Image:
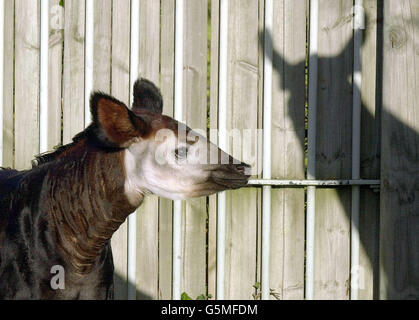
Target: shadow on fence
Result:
[401, 180]
[121, 286]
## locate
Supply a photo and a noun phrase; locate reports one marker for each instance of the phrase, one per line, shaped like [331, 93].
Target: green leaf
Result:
[185, 296]
[61, 3]
[256, 285]
[201, 297]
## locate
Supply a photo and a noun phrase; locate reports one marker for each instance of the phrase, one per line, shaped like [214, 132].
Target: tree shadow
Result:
[399, 249]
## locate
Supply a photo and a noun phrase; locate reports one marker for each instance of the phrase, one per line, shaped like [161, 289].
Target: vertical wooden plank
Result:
[167, 31]
[148, 213]
[167, 39]
[195, 111]
[333, 141]
[150, 40]
[147, 249]
[8, 86]
[331, 245]
[287, 219]
[332, 229]
[102, 45]
[120, 50]
[258, 148]
[26, 82]
[399, 223]
[56, 42]
[212, 204]
[120, 89]
[241, 212]
[73, 76]
[370, 164]
[369, 250]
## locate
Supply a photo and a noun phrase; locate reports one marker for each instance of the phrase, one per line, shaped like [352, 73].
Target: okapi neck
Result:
[87, 204]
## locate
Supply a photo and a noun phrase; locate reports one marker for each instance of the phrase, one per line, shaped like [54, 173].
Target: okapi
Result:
[64, 211]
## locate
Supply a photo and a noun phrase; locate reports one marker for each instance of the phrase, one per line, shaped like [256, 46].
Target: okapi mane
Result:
[50, 156]
[88, 135]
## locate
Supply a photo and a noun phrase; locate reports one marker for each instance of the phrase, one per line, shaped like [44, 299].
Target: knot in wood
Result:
[397, 37]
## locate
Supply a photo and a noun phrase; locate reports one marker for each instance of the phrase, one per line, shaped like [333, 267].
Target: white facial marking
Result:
[133, 192]
[173, 178]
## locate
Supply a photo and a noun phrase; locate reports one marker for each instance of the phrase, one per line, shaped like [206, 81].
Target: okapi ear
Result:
[113, 123]
[147, 97]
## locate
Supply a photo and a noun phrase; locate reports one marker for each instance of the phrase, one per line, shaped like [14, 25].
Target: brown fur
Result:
[85, 200]
[115, 120]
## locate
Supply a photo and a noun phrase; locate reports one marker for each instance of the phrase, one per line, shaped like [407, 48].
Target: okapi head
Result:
[92, 184]
[162, 156]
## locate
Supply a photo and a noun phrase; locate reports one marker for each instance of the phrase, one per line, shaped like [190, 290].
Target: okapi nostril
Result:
[243, 168]
[240, 169]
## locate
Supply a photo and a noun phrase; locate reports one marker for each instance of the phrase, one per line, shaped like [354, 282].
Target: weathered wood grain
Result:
[212, 203]
[167, 21]
[26, 81]
[8, 85]
[333, 155]
[370, 157]
[255, 148]
[102, 45]
[73, 74]
[399, 221]
[148, 213]
[55, 70]
[195, 112]
[242, 212]
[120, 89]
[287, 216]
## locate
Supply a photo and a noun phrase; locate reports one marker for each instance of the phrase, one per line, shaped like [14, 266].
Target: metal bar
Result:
[356, 149]
[311, 169]
[43, 79]
[132, 219]
[1, 78]
[222, 143]
[308, 182]
[88, 59]
[267, 154]
[178, 113]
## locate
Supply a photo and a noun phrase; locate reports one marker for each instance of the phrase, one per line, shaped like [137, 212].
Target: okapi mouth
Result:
[231, 176]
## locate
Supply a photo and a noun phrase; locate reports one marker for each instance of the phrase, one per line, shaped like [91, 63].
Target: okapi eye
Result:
[181, 153]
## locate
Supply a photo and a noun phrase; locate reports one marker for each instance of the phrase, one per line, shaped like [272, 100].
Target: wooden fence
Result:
[389, 225]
